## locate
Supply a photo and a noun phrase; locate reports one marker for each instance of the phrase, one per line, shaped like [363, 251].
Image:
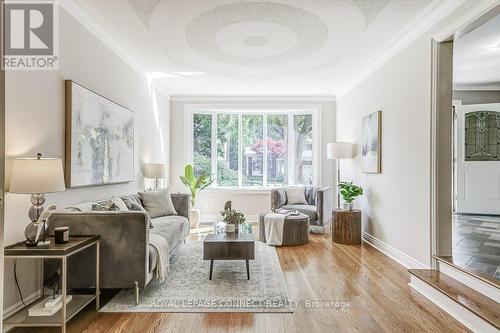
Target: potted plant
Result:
[232, 217]
[349, 192]
[195, 185]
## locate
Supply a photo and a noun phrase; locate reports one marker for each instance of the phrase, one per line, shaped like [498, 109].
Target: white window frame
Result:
[240, 110]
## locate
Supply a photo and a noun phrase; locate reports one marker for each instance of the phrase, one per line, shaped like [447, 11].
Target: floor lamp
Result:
[338, 151]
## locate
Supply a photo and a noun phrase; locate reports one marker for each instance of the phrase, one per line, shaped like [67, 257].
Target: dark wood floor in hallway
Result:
[375, 285]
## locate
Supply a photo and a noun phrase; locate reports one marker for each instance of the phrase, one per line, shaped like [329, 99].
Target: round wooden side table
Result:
[346, 226]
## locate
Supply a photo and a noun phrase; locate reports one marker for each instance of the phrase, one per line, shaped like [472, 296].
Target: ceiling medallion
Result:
[309, 33]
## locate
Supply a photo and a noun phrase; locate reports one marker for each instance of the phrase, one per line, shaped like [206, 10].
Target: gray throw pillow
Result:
[134, 206]
[158, 203]
[296, 195]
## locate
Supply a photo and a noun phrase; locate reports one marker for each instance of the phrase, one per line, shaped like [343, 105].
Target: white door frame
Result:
[441, 241]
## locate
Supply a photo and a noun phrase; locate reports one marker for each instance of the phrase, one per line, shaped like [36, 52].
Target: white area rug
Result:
[188, 289]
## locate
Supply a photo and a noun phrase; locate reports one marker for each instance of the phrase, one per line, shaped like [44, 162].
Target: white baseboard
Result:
[392, 252]
[212, 218]
[460, 313]
[470, 281]
[19, 305]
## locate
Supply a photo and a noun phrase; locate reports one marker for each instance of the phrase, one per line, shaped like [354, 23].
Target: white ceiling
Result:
[477, 57]
[254, 47]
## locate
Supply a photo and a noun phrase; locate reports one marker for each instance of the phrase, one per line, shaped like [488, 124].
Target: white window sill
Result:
[240, 190]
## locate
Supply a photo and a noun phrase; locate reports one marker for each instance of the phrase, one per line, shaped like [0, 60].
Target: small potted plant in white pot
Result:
[349, 193]
[195, 185]
[233, 219]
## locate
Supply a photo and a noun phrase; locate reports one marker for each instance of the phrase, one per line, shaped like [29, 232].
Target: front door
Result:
[478, 159]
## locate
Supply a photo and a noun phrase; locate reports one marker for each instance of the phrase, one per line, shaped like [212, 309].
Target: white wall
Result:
[35, 123]
[396, 205]
[251, 202]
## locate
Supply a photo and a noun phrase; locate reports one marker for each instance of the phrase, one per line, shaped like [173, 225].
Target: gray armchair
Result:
[319, 204]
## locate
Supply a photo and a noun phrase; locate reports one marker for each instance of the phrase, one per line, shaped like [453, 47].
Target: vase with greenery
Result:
[349, 193]
[195, 185]
[232, 217]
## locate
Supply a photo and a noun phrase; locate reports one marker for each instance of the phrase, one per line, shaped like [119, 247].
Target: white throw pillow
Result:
[158, 203]
[296, 195]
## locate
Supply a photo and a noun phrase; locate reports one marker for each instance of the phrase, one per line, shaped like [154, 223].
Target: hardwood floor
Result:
[375, 285]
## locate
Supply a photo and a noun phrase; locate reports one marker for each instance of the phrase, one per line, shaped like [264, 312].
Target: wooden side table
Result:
[346, 227]
[61, 252]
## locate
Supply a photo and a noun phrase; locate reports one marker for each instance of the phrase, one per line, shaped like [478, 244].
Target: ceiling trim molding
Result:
[485, 87]
[423, 23]
[252, 98]
[482, 7]
[81, 14]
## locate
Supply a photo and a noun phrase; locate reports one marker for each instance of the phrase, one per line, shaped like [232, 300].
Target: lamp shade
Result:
[336, 150]
[31, 175]
[154, 170]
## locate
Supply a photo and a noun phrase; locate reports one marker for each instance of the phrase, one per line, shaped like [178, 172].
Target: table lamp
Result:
[338, 151]
[36, 176]
[154, 171]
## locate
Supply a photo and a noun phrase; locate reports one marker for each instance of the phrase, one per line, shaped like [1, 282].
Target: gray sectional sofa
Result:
[127, 259]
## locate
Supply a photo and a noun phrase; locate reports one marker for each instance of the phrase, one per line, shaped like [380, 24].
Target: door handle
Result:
[1, 200]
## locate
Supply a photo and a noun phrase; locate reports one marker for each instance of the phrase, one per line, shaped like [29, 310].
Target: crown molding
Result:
[82, 14]
[423, 23]
[252, 98]
[479, 9]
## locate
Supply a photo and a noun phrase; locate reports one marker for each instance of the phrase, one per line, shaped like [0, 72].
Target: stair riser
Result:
[462, 314]
[474, 283]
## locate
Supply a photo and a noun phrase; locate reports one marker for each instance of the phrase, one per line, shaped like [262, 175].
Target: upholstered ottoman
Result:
[295, 229]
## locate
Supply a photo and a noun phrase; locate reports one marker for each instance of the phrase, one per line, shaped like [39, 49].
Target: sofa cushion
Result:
[296, 196]
[158, 203]
[133, 204]
[304, 209]
[174, 228]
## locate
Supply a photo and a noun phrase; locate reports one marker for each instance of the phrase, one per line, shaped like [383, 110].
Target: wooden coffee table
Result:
[230, 246]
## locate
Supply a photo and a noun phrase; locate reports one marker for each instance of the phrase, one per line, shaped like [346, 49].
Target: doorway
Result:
[467, 192]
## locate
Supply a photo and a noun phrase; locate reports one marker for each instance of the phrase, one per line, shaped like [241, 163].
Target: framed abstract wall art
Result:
[99, 139]
[371, 143]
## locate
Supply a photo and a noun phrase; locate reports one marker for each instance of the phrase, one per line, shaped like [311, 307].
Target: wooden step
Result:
[477, 303]
[448, 260]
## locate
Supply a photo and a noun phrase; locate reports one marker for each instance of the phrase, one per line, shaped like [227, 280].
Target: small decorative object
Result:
[349, 193]
[53, 303]
[37, 176]
[195, 185]
[220, 227]
[99, 139]
[246, 227]
[61, 235]
[371, 147]
[156, 172]
[232, 217]
[230, 228]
